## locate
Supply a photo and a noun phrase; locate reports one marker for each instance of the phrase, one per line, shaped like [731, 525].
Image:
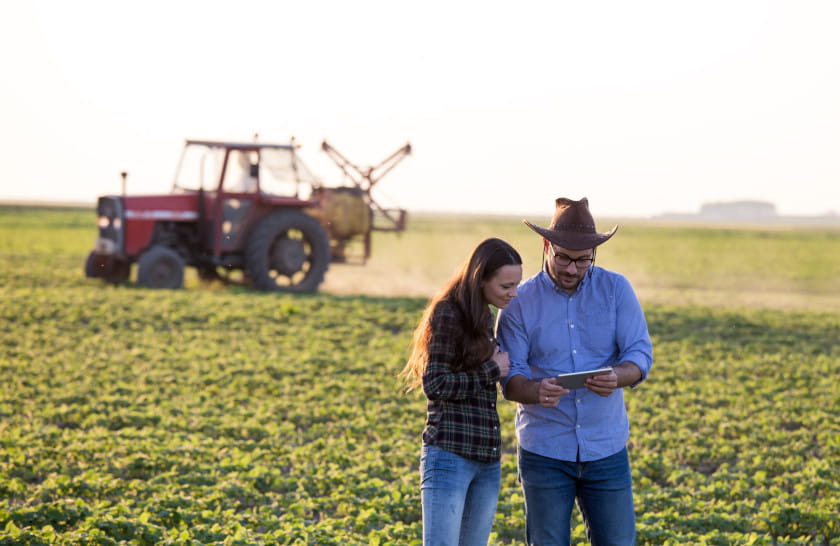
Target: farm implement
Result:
[246, 212]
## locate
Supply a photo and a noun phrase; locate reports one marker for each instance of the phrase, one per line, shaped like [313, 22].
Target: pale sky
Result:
[642, 106]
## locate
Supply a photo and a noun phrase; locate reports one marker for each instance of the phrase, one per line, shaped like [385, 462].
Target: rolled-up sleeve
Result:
[512, 335]
[632, 336]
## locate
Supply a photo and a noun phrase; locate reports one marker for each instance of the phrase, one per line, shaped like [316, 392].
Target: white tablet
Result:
[577, 379]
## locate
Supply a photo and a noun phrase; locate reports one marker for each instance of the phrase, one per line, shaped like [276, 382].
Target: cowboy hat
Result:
[572, 226]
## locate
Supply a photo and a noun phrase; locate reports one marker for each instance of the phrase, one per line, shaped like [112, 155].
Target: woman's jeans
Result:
[603, 490]
[459, 498]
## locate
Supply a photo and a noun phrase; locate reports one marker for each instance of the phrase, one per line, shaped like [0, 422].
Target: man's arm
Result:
[632, 337]
[628, 374]
[532, 391]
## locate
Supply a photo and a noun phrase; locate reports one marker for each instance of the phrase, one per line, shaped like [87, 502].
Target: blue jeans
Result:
[604, 493]
[459, 498]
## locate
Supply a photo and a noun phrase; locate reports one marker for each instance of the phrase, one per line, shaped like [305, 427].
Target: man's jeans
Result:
[604, 493]
[459, 498]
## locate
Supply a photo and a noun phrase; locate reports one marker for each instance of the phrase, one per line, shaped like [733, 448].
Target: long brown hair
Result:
[464, 292]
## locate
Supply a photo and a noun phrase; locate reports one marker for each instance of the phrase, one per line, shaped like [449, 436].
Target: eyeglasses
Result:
[561, 260]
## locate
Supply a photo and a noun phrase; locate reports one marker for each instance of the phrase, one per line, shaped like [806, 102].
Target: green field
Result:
[218, 415]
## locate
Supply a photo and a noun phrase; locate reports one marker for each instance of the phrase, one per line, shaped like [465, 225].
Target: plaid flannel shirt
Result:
[461, 415]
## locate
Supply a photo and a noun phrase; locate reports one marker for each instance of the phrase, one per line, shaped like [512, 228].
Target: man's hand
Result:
[623, 375]
[604, 384]
[549, 393]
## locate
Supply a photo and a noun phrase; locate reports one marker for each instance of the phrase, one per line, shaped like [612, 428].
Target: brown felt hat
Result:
[572, 226]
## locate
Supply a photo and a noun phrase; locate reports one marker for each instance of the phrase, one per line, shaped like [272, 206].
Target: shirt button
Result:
[571, 326]
[578, 400]
[577, 426]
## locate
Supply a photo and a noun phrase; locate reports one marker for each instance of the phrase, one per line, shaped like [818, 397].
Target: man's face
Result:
[567, 267]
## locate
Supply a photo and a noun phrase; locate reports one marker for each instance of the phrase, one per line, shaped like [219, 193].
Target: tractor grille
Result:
[111, 220]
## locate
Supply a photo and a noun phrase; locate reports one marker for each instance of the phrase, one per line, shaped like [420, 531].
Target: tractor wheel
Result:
[160, 267]
[288, 251]
[111, 269]
[93, 266]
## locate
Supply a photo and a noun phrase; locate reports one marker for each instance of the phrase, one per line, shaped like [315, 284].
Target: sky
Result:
[645, 107]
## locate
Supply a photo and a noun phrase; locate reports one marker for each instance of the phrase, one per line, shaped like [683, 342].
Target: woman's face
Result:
[499, 289]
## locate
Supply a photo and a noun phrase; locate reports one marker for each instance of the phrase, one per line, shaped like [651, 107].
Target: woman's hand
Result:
[502, 361]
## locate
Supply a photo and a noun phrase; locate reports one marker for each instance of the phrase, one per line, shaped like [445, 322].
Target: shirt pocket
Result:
[596, 328]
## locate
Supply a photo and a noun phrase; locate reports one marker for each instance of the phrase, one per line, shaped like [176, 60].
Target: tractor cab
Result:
[243, 168]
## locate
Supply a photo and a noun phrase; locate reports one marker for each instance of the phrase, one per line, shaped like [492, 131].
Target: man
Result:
[571, 317]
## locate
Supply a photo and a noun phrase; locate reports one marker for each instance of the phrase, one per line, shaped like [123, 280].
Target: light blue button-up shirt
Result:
[548, 332]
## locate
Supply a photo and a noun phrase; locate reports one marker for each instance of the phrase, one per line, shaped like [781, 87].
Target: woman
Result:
[457, 361]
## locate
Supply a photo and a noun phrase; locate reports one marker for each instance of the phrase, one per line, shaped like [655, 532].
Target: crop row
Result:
[222, 416]
[154, 417]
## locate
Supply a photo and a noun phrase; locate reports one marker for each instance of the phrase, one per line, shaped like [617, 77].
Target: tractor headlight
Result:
[105, 222]
[109, 219]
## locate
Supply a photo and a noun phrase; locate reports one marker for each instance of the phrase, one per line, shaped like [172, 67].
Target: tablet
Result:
[577, 379]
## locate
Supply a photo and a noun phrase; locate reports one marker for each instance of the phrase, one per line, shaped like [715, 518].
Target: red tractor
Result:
[242, 212]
